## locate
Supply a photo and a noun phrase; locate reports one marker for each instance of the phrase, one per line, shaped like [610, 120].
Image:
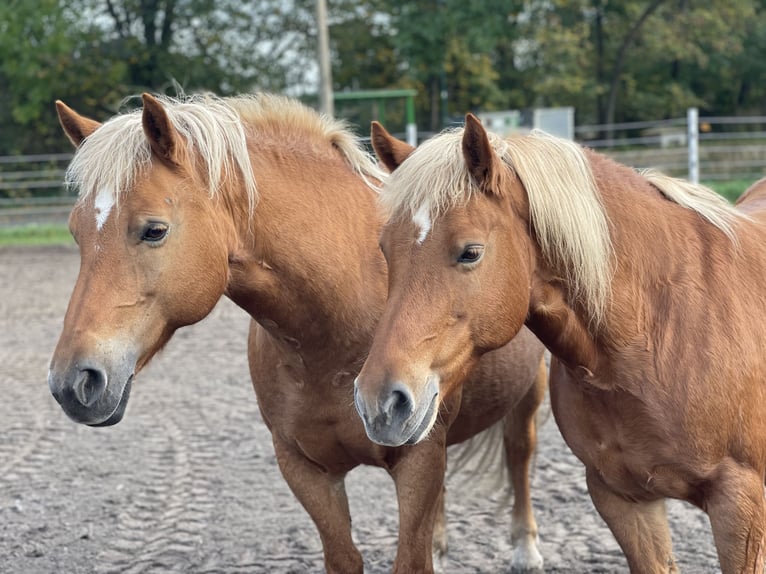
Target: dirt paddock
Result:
[188, 482]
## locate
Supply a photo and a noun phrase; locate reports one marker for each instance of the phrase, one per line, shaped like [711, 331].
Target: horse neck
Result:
[671, 267]
[309, 268]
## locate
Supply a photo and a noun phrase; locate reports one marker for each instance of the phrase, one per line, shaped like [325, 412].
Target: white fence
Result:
[31, 188]
[708, 149]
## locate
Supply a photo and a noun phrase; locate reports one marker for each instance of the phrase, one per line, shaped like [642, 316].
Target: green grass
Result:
[731, 190]
[58, 234]
[36, 234]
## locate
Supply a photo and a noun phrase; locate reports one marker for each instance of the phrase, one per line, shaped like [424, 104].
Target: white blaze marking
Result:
[103, 204]
[423, 220]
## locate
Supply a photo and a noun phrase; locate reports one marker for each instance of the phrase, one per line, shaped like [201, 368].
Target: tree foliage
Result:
[94, 53]
[612, 61]
[618, 61]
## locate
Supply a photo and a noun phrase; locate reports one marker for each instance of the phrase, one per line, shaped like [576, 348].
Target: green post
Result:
[380, 96]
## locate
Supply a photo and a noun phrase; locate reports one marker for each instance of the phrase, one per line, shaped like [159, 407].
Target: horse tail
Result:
[482, 462]
[543, 412]
[484, 457]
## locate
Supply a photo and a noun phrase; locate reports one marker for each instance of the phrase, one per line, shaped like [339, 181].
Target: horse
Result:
[261, 199]
[647, 290]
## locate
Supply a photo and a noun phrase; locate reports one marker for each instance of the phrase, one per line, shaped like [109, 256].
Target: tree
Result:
[441, 47]
[93, 54]
[617, 61]
[44, 52]
[225, 46]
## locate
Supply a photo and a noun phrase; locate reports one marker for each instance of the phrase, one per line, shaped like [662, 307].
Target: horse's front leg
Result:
[440, 545]
[324, 498]
[419, 479]
[641, 528]
[737, 510]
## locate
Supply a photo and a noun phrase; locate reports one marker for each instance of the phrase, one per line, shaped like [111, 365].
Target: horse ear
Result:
[479, 156]
[76, 127]
[391, 151]
[159, 130]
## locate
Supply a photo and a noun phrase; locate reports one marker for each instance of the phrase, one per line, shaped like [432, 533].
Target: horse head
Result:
[153, 249]
[447, 254]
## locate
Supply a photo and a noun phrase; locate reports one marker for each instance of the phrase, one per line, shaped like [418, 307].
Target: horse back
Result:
[753, 200]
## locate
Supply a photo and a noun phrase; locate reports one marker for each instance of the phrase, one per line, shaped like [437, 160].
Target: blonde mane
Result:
[215, 130]
[565, 206]
[285, 117]
[699, 198]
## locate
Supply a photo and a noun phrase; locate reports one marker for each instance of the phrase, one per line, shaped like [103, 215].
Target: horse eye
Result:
[471, 254]
[154, 232]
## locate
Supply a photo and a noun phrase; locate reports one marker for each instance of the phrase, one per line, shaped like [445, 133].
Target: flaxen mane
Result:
[215, 131]
[565, 205]
[284, 117]
[699, 198]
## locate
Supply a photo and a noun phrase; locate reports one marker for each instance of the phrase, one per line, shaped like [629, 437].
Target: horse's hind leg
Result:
[440, 527]
[324, 498]
[520, 442]
[641, 528]
[735, 504]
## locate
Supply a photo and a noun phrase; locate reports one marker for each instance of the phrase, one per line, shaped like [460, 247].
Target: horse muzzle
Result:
[394, 417]
[91, 394]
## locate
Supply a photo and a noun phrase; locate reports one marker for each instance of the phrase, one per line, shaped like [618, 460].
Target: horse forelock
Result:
[108, 161]
[111, 159]
[565, 205]
[431, 181]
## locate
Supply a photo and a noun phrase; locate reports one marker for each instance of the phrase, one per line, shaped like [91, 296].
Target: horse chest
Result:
[315, 417]
[332, 440]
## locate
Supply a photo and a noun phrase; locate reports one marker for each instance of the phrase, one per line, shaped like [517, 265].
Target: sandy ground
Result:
[188, 482]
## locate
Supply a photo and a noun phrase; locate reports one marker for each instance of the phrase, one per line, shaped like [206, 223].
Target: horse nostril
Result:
[89, 386]
[399, 403]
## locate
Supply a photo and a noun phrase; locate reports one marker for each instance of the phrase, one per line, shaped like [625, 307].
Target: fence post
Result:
[412, 127]
[692, 119]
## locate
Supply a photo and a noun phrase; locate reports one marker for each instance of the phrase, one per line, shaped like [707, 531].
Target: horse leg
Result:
[419, 479]
[324, 498]
[735, 504]
[641, 528]
[520, 442]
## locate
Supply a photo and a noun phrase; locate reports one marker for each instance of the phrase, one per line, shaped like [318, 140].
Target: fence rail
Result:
[722, 148]
[699, 148]
[32, 189]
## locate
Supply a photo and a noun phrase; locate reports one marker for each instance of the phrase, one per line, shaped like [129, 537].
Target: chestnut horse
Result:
[647, 290]
[169, 219]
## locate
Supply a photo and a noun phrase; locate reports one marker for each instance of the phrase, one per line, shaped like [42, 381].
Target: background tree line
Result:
[612, 60]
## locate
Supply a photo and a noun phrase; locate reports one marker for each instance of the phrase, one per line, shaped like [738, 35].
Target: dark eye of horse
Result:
[154, 232]
[471, 254]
